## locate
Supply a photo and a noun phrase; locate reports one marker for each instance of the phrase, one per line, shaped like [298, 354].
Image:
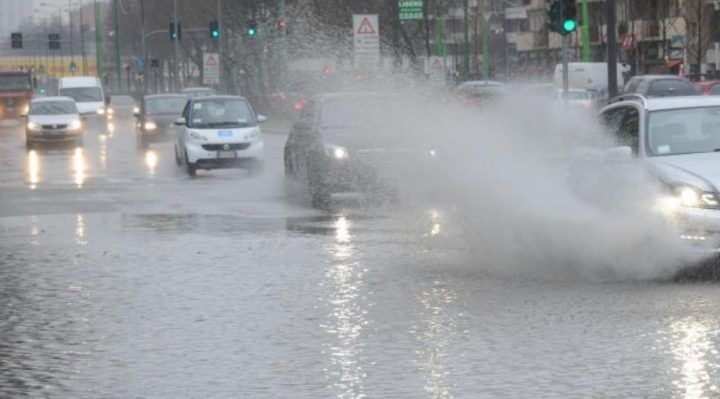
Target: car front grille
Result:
[54, 127]
[226, 147]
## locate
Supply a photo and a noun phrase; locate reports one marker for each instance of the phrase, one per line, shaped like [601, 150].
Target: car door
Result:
[183, 130]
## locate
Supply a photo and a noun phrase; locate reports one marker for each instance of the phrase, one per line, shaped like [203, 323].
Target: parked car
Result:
[677, 141]
[53, 120]
[219, 132]
[709, 88]
[156, 117]
[660, 86]
[198, 92]
[358, 142]
[479, 91]
[86, 91]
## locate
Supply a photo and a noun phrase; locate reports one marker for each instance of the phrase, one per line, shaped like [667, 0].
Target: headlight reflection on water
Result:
[79, 167]
[151, 161]
[693, 348]
[33, 169]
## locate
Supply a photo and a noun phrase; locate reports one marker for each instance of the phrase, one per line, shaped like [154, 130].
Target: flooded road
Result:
[121, 277]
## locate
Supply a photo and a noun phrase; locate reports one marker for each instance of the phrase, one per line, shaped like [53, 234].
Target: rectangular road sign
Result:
[410, 9]
[366, 41]
[211, 68]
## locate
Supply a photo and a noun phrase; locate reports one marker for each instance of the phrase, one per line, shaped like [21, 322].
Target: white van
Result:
[589, 75]
[86, 91]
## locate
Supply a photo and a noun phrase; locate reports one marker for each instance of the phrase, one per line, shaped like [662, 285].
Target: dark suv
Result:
[660, 86]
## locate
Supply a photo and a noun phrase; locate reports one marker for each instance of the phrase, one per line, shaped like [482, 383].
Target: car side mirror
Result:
[262, 118]
[301, 126]
[180, 122]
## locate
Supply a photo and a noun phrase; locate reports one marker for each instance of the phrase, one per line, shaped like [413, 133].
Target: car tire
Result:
[29, 144]
[191, 167]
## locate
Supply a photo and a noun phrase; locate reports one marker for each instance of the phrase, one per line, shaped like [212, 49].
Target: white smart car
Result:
[219, 132]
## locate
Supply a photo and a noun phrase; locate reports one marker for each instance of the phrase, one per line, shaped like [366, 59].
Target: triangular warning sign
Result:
[437, 64]
[365, 28]
[211, 61]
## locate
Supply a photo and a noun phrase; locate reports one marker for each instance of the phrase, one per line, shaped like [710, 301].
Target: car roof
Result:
[217, 97]
[167, 95]
[189, 89]
[50, 99]
[79, 81]
[667, 103]
[656, 77]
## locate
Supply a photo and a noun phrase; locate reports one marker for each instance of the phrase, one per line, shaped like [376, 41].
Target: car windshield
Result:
[221, 113]
[53, 108]
[83, 94]
[14, 82]
[352, 112]
[684, 131]
[165, 105]
[122, 101]
[671, 87]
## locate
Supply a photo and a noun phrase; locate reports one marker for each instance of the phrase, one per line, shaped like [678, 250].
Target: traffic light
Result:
[562, 16]
[54, 41]
[251, 29]
[175, 31]
[214, 30]
[569, 14]
[16, 40]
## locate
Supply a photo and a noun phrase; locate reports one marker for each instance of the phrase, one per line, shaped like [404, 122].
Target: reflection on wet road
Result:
[121, 277]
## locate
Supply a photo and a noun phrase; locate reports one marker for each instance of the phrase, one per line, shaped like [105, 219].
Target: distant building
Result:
[13, 13]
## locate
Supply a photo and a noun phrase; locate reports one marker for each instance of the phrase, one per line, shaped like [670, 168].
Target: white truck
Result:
[589, 75]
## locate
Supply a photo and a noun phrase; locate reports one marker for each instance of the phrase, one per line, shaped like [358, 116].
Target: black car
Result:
[156, 116]
[660, 86]
[356, 143]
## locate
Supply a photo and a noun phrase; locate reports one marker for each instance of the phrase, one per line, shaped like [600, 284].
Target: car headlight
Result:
[136, 110]
[336, 152]
[33, 126]
[692, 197]
[101, 111]
[110, 111]
[197, 136]
[150, 125]
[75, 125]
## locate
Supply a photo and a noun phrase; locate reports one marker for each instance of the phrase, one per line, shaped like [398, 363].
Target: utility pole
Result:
[223, 85]
[99, 42]
[144, 46]
[466, 41]
[485, 44]
[585, 31]
[70, 28]
[116, 22]
[612, 47]
[82, 39]
[175, 50]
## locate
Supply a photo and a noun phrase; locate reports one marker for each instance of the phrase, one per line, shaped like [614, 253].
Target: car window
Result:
[715, 90]
[83, 94]
[632, 85]
[165, 105]
[671, 87]
[624, 124]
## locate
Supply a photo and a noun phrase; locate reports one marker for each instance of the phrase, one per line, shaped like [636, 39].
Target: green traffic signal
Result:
[569, 25]
[251, 28]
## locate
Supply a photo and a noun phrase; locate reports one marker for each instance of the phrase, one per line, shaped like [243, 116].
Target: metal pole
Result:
[611, 18]
[116, 21]
[62, 48]
[175, 53]
[144, 46]
[70, 28]
[221, 60]
[585, 31]
[82, 39]
[466, 41]
[99, 42]
[566, 73]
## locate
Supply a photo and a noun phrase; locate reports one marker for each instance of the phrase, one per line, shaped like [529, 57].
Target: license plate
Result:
[226, 154]
[225, 133]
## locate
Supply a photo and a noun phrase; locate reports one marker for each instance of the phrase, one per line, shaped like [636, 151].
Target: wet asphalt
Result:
[122, 277]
